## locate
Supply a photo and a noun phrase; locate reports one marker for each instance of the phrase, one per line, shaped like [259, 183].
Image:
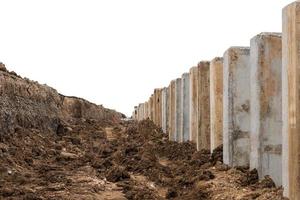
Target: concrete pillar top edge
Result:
[193, 69]
[238, 49]
[267, 35]
[185, 75]
[291, 4]
[204, 62]
[157, 89]
[216, 59]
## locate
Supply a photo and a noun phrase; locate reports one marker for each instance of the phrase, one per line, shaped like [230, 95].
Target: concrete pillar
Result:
[159, 108]
[155, 106]
[134, 114]
[216, 103]
[146, 110]
[178, 122]
[194, 129]
[164, 109]
[151, 108]
[172, 111]
[236, 106]
[266, 106]
[141, 111]
[203, 137]
[291, 100]
[185, 107]
[138, 113]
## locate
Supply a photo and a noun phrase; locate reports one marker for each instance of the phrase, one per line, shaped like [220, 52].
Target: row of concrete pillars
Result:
[248, 100]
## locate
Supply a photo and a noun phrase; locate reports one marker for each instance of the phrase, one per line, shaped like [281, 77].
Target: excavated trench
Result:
[126, 160]
[56, 147]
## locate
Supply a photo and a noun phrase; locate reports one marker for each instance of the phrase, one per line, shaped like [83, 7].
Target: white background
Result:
[115, 52]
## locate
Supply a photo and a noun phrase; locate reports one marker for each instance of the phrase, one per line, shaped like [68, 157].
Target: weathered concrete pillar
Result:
[216, 103]
[151, 109]
[164, 109]
[134, 114]
[236, 106]
[265, 105]
[178, 122]
[146, 110]
[172, 111]
[291, 100]
[203, 137]
[159, 108]
[140, 112]
[185, 107]
[155, 106]
[194, 128]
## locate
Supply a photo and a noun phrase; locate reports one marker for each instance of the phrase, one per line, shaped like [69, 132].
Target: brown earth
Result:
[126, 160]
[57, 147]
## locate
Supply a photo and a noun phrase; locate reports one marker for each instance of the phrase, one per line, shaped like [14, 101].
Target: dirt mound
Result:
[136, 161]
[217, 155]
[28, 104]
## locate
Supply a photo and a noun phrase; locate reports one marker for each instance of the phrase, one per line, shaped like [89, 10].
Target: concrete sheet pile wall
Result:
[266, 106]
[146, 110]
[159, 108]
[178, 111]
[236, 106]
[155, 106]
[164, 109]
[151, 107]
[185, 107]
[203, 136]
[291, 100]
[172, 134]
[194, 81]
[216, 103]
[249, 101]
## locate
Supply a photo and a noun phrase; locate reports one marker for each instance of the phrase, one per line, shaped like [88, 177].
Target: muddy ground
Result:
[102, 160]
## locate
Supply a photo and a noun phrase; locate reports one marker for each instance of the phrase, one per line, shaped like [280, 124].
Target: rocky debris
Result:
[217, 154]
[249, 178]
[2, 67]
[116, 174]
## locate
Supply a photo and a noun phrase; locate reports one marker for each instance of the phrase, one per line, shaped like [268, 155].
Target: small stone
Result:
[2, 67]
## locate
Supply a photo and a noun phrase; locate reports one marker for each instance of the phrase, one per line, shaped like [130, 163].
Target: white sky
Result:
[115, 52]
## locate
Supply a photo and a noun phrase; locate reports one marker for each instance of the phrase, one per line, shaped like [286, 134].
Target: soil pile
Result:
[28, 104]
[128, 160]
